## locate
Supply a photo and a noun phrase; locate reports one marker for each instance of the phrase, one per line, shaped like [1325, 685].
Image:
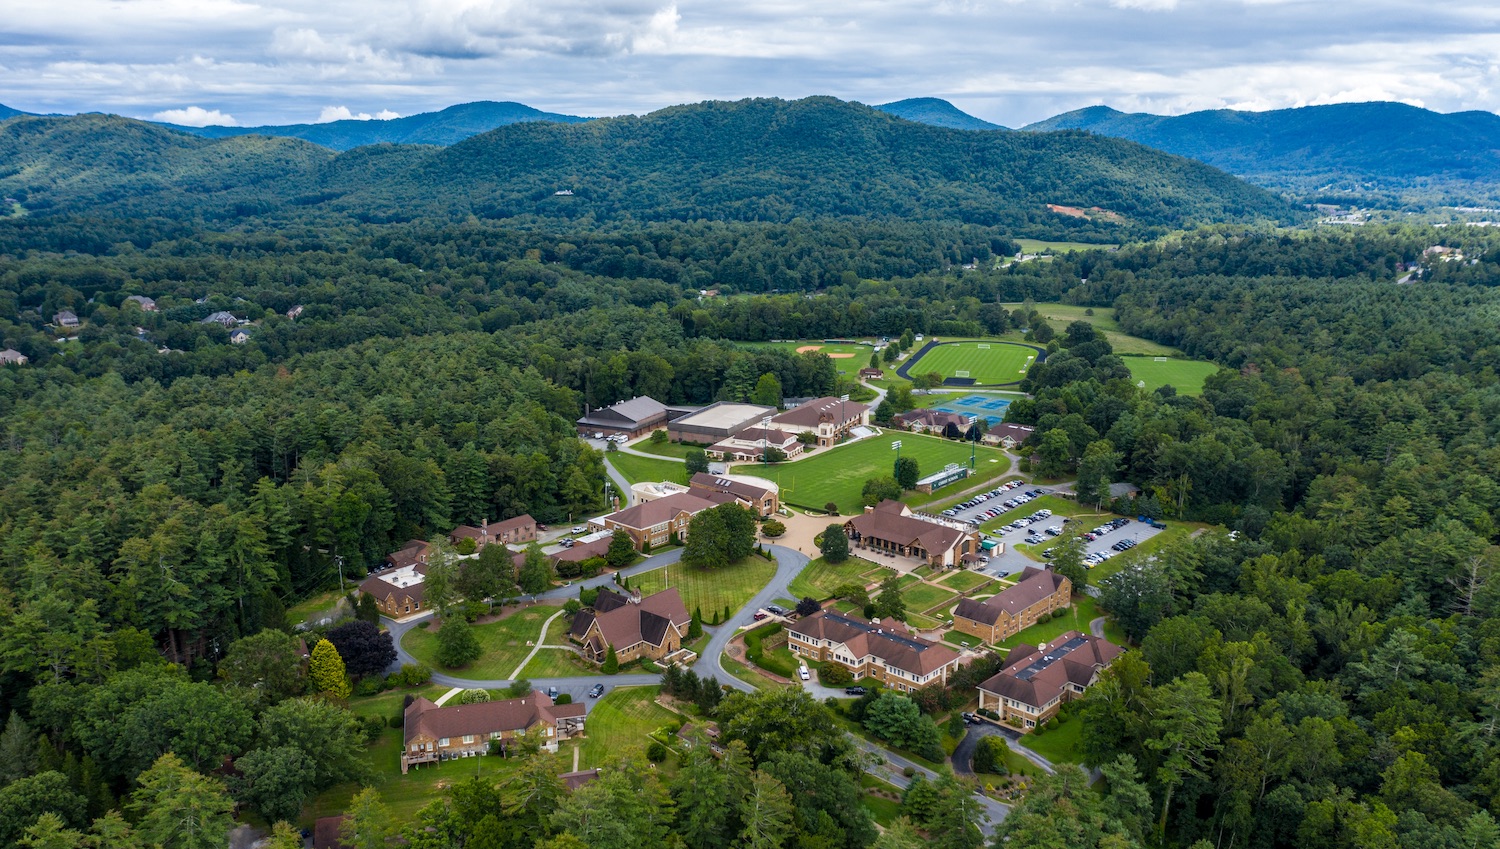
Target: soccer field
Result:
[838, 474]
[985, 362]
[1186, 375]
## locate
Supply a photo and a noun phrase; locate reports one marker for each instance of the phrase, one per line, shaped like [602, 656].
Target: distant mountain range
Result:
[754, 160]
[937, 112]
[1358, 149]
[449, 126]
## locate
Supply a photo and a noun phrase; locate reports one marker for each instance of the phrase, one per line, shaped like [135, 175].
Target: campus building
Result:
[1036, 593]
[433, 733]
[1037, 681]
[657, 520]
[1008, 435]
[750, 444]
[651, 627]
[760, 496]
[891, 527]
[717, 422]
[939, 422]
[398, 591]
[636, 417]
[888, 653]
[515, 531]
[828, 418]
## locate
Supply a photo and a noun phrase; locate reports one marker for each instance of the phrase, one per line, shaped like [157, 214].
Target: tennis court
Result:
[987, 407]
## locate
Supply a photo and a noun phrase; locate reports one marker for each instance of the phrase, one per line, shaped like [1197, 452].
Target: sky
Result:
[256, 62]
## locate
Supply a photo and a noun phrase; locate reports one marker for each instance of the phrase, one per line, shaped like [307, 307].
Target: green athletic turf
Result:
[1001, 362]
[838, 474]
[1186, 375]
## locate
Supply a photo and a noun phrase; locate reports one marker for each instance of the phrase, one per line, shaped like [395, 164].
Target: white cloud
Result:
[195, 116]
[1145, 5]
[342, 113]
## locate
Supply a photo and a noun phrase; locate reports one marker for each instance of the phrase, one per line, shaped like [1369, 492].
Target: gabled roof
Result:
[1036, 676]
[813, 412]
[718, 483]
[425, 719]
[1033, 585]
[891, 643]
[636, 410]
[625, 623]
[934, 418]
[1018, 432]
[650, 513]
[512, 524]
[889, 521]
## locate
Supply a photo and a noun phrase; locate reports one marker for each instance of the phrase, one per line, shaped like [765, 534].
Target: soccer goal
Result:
[1160, 359]
[983, 347]
[960, 373]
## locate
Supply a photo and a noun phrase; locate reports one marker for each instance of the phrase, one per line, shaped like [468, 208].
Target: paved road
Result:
[789, 564]
[963, 755]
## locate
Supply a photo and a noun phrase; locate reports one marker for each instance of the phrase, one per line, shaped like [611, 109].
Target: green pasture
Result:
[1103, 319]
[838, 474]
[1037, 246]
[638, 469]
[709, 590]
[1186, 376]
[986, 362]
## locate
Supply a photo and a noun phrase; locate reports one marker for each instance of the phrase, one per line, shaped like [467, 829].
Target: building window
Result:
[468, 739]
[443, 741]
[1030, 724]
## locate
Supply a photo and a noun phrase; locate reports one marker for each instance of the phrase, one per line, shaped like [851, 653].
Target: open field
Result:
[1186, 375]
[964, 581]
[838, 474]
[621, 721]
[709, 590]
[504, 643]
[1036, 246]
[819, 578]
[1103, 319]
[558, 663]
[1060, 743]
[986, 362]
[921, 598]
[671, 450]
[859, 354]
[638, 469]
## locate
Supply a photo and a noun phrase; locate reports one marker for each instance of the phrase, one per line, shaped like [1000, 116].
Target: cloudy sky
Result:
[251, 62]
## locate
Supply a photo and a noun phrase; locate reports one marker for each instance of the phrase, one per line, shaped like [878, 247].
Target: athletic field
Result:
[1186, 376]
[984, 362]
[838, 474]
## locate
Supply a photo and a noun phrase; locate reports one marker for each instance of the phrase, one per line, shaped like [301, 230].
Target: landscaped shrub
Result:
[563, 699]
[656, 752]
[398, 720]
[472, 697]
[369, 685]
[909, 771]
[465, 546]
[834, 675]
[410, 675]
[572, 606]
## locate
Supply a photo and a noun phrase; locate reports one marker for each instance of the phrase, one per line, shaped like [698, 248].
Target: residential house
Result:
[892, 527]
[750, 444]
[434, 733]
[224, 319]
[1008, 435]
[871, 374]
[400, 591]
[239, 336]
[656, 521]
[414, 551]
[146, 304]
[636, 417]
[519, 530]
[1037, 681]
[651, 627]
[1036, 593]
[935, 421]
[12, 357]
[294, 312]
[66, 318]
[888, 653]
[762, 499]
[829, 418]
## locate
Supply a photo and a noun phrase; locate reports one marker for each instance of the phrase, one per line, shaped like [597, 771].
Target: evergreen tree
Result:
[621, 549]
[179, 808]
[695, 625]
[611, 662]
[834, 545]
[907, 472]
[536, 570]
[326, 671]
[17, 750]
[368, 824]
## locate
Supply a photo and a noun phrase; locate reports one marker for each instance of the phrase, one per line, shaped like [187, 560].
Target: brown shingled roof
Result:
[650, 513]
[1032, 586]
[886, 522]
[1036, 676]
[425, 719]
[890, 642]
[625, 624]
[812, 412]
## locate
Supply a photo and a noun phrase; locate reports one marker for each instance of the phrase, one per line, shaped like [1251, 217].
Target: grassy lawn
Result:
[558, 663]
[924, 597]
[620, 721]
[1186, 375]
[321, 603]
[1103, 319]
[504, 643]
[964, 581]
[959, 638]
[921, 621]
[780, 660]
[986, 362]
[1058, 744]
[1084, 610]
[819, 578]
[839, 473]
[709, 590]
[1037, 246]
[388, 704]
[884, 810]
[638, 469]
[672, 450]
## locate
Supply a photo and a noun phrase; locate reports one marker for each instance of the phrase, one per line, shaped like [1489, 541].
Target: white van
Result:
[803, 673]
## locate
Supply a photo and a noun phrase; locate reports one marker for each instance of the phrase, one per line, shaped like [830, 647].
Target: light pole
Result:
[842, 399]
[765, 442]
[896, 446]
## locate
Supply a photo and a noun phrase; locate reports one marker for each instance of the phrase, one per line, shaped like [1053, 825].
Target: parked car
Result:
[803, 673]
[854, 691]
[552, 693]
[578, 529]
[970, 719]
[596, 691]
[760, 614]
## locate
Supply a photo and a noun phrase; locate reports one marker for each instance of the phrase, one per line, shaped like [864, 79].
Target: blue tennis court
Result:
[987, 407]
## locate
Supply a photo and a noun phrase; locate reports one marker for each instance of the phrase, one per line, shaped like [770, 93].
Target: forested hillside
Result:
[444, 127]
[1384, 152]
[751, 161]
[937, 112]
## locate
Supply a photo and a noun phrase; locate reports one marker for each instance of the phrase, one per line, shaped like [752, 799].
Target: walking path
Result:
[541, 642]
[443, 699]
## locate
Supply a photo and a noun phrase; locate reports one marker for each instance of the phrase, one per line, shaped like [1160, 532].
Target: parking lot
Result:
[980, 508]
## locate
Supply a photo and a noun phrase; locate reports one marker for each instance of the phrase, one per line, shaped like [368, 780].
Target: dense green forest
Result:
[1327, 678]
[750, 161]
